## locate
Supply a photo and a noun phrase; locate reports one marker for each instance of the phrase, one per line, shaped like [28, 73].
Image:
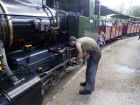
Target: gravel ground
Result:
[117, 81]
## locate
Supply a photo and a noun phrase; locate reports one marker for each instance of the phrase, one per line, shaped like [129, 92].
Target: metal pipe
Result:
[53, 69]
[65, 61]
[64, 58]
[24, 15]
[6, 68]
[58, 26]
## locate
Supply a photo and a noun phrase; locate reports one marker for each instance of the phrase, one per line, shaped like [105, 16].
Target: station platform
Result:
[117, 81]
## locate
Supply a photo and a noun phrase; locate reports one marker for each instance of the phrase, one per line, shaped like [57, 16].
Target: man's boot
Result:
[83, 84]
[84, 92]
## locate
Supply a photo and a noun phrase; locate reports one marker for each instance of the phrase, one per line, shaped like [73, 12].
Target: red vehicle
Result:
[115, 31]
[120, 31]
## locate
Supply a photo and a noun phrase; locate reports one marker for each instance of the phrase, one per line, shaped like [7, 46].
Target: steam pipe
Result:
[6, 68]
[58, 26]
[53, 28]
[24, 15]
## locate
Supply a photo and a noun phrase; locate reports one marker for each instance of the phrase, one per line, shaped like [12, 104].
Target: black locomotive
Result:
[34, 47]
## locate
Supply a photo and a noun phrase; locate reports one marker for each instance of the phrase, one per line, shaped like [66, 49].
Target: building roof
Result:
[104, 10]
[122, 16]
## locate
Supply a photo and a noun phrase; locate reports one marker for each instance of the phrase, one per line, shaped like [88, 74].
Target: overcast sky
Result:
[113, 3]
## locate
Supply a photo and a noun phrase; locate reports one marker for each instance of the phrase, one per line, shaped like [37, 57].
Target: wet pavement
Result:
[117, 81]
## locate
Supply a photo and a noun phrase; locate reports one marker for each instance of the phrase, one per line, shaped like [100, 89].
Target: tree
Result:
[121, 7]
[135, 11]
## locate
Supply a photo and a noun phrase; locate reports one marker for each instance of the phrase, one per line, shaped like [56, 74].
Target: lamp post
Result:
[130, 6]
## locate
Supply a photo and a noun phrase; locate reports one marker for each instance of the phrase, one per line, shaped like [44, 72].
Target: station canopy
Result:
[104, 11]
[122, 16]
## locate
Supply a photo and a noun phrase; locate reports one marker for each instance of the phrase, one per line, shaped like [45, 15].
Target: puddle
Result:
[124, 69]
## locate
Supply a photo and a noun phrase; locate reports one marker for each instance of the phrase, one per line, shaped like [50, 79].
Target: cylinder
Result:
[27, 93]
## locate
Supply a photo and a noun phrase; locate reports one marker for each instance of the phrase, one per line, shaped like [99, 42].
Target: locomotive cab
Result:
[81, 20]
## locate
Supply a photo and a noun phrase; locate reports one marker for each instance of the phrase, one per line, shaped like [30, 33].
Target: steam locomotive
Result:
[34, 47]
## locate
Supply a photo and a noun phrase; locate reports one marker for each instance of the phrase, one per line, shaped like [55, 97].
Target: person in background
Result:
[103, 36]
[139, 37]
[87, 44]
[102, 23]
[100, 39]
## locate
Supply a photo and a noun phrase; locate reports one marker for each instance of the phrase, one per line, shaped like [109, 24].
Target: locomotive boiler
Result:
[34, 47]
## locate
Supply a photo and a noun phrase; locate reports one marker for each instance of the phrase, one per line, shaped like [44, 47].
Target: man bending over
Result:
[87, 44]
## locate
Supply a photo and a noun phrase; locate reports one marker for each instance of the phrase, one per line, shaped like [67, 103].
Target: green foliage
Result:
[132, 11]
[135, 11]
[121, 8]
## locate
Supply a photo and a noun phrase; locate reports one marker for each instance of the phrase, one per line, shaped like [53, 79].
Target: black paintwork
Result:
[25, 28]
[27, 93]
[28, 22]
[37, 58]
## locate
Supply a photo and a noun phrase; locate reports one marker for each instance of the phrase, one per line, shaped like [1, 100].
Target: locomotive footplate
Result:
[38, 58]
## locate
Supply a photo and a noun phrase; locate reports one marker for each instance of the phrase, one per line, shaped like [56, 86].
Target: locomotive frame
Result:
[34, 48]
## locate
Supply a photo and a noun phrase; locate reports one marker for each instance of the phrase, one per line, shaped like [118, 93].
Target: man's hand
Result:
[72, 60]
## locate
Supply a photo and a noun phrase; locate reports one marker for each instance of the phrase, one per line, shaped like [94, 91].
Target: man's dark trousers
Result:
[92, 66]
